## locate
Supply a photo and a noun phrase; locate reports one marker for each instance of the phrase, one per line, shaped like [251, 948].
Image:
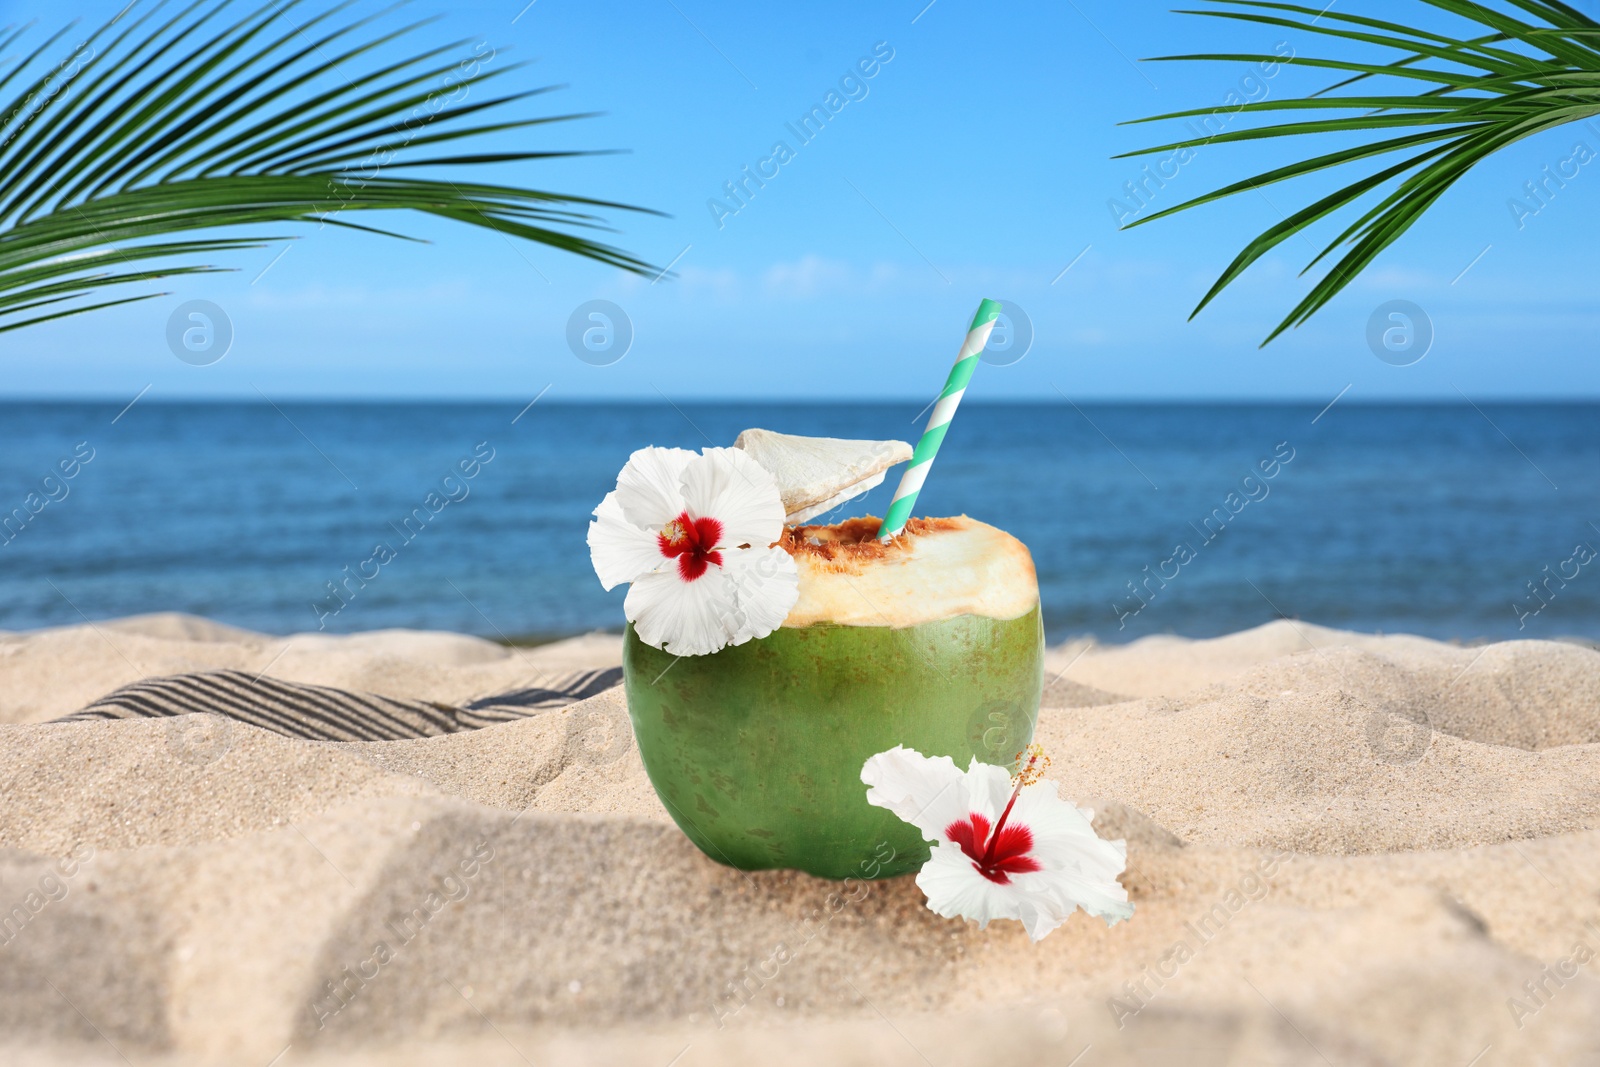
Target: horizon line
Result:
[643, 401]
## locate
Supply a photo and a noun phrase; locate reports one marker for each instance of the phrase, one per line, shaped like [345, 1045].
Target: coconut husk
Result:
[817, 474]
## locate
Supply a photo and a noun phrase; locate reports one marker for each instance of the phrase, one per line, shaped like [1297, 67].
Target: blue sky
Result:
[975, 162]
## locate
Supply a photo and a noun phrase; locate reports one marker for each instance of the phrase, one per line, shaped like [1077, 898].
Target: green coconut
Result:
[934, 642]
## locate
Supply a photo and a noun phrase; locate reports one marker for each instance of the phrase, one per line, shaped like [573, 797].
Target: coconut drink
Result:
[855, 699]
[754, 725]
[934, 641]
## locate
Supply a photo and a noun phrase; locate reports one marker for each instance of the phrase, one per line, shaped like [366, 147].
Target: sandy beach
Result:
[1344, 849]
[395, 395]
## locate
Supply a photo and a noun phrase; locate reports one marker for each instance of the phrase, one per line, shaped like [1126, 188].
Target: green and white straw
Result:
[944, 409]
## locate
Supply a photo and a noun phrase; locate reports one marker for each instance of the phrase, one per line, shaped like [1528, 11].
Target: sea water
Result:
[1447, 520]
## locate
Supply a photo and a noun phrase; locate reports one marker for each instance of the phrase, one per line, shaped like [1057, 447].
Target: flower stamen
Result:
[1034, 769]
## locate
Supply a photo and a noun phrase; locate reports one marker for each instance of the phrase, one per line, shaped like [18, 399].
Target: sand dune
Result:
[1429, 816]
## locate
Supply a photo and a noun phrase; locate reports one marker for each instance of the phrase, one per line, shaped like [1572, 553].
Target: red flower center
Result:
[996, 855]
[693, 543]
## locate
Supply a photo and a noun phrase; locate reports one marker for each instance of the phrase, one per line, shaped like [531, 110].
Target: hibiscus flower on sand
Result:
[1004, 846]
[695, 535]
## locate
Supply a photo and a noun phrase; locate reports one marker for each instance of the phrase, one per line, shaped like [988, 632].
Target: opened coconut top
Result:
[817, 474]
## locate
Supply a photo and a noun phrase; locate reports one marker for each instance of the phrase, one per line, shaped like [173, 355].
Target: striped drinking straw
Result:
[905, 497]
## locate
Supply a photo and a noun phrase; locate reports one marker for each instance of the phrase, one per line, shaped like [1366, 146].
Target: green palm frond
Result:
[210, 116]
[1472, 96]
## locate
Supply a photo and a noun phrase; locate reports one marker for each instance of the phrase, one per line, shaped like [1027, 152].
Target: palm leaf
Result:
[1482, 93]
[212, 115]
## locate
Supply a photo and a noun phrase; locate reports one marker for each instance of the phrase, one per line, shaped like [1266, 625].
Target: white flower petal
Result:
[766, 585]
[956, 890]
[929, 794]
[1040, 901]
[988, 789]
[620, 551]
[1083, 865]
[1099, 895]
[650, 487]
[727, 485]
[684, 618]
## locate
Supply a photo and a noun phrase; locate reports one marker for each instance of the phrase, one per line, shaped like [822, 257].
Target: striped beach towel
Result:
[323, 713]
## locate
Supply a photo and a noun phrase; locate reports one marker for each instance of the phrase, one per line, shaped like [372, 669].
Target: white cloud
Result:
[720, 283]
[322, 297]
[810, 277]
[1397, 279]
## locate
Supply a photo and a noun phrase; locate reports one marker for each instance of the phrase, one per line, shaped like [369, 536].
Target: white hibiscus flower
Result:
[1003, 847]
[695, 535]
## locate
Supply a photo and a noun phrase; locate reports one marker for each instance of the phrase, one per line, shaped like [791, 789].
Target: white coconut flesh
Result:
[817, 474]
[963, 567]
